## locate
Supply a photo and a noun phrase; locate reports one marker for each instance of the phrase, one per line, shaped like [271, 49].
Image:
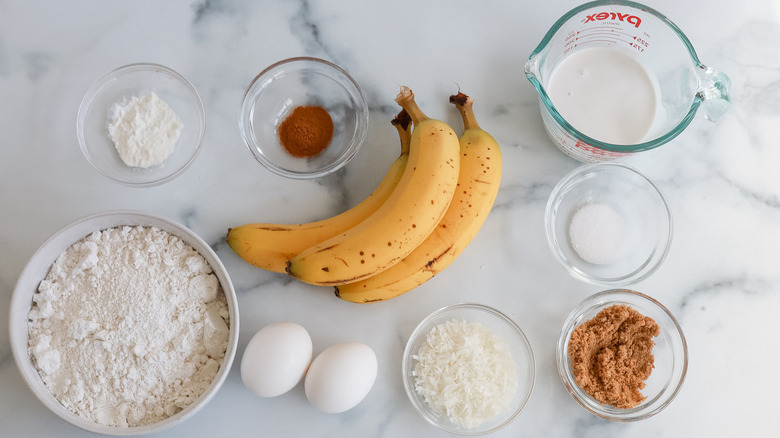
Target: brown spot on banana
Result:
[433, 261]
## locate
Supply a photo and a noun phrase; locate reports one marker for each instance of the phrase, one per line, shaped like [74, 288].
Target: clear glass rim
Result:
[642, 272]
[604, 298]
[248, 102]
[418, 331]
[545, 99]
[94, 89]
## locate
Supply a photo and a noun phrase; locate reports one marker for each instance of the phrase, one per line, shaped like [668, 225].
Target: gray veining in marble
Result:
[721, 277]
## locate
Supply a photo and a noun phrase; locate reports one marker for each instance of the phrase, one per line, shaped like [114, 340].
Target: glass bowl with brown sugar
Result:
[622, 355]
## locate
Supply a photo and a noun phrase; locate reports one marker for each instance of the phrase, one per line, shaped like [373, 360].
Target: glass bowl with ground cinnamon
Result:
[303, 118]
[622, 355]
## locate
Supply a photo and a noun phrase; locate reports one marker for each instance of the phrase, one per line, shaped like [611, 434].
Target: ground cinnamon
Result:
[611, 355]
[306, 132]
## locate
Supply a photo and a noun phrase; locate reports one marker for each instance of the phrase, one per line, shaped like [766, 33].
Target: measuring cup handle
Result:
[714, 93]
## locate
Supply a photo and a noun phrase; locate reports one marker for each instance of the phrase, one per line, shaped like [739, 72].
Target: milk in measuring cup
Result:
[606, 94]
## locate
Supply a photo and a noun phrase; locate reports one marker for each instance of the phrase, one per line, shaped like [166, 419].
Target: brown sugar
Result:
[612, 355]
[306, 132]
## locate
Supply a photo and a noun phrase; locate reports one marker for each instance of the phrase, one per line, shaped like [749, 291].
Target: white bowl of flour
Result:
[141, 124]
[124, 323]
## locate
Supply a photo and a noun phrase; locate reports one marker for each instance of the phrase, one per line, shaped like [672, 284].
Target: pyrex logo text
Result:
[631, 19]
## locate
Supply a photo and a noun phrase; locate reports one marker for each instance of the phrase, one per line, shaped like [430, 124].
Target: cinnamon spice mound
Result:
[612, 355]
[306, 132]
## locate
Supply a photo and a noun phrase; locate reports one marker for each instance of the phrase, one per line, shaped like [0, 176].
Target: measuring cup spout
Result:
[532, 69]
[714, 92]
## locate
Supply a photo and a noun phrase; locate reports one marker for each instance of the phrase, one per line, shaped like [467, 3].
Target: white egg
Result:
[276, 359]
[341, 376]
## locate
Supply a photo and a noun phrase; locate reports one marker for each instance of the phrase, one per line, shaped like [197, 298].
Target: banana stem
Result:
[403, 124]
[464, 105]
[405, 98]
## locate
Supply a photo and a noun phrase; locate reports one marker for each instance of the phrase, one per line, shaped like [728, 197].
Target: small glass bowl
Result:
[117, 87]
[670, 353]
[632, 195]
[291, 83]
[505, 328]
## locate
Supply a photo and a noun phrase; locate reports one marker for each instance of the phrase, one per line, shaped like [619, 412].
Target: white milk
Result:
[605, 94]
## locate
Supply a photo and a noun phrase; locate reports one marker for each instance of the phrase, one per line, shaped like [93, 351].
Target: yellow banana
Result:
[478, 183]
[270, 246]
[408, 216]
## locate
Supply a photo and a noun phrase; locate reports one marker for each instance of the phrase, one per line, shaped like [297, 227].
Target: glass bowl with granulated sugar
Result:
[141, 124]
[124, 323]
[608, 224]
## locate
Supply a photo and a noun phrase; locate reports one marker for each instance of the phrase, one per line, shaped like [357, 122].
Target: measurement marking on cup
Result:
[580, 42]
[601, 34]
[598, 42]
[604, 29]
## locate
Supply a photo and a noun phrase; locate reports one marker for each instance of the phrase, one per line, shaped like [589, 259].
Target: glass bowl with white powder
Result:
[141, 124]
[468, 369]
[124, 323]
[608, 224]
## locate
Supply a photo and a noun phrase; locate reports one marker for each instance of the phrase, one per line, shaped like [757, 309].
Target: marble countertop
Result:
[721, 277]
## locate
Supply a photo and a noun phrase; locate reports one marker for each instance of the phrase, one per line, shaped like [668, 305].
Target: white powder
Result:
[598, 234]
[129, 326]
[144, 130]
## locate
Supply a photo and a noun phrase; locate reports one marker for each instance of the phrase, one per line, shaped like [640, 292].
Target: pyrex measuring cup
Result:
[682, 83]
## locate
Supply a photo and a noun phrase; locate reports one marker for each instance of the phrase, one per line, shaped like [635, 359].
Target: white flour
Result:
[144, 130]
[129, 326]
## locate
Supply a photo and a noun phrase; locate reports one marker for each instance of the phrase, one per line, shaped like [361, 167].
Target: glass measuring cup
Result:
[682, 83]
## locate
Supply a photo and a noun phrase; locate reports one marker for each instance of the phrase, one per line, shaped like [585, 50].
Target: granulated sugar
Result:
[598, 234]
[129, 326]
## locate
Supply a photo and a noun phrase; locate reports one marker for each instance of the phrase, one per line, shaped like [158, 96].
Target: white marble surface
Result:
[721, 278]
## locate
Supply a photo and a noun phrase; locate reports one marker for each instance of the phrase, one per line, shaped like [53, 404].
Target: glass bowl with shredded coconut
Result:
[124, 323]
[141, 124]
[608, 224]
[468, 369]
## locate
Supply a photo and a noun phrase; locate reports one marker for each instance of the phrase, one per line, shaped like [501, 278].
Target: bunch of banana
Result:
[271, 246]
[478, 183]
[428, 208]
[403, 222]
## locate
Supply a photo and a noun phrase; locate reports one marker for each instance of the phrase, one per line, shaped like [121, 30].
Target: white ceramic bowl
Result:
[633, 196]
[38, 267]
[507, 330]
[137, 80]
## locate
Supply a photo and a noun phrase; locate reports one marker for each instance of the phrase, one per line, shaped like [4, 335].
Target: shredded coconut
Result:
[465, 372]
[144, 130]
[129, 326]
